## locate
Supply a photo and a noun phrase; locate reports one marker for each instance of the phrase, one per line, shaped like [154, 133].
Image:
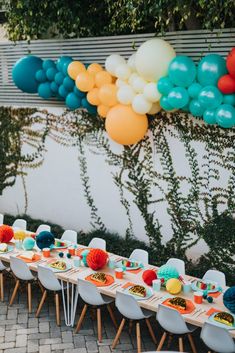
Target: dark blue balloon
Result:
[68, 83]
[59, 78]
[44, 90]
[63, 91]
[45, 240]
[51, 72]
[61, 61]
[90, 108]
[79, 93]
[24, 72]
[72, 101]
[54, 87]
[47, 64]
[41, 76]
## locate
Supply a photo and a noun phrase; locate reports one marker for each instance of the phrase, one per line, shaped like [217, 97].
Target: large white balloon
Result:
[155, 108]
[140, 104]
[119, 83]
[123, 72]
[125, 94]
[112, 62]
[151, 92]
[153, 58]
[138, 84]
[131, 62]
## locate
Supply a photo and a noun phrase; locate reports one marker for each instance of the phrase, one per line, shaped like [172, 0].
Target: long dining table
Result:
[70, 293]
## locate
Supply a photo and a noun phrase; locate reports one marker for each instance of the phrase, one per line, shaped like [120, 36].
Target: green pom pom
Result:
[61, 254]
[167, 272]
[210, 299]
[69, 256]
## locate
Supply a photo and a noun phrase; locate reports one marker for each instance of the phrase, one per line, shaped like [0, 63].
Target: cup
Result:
[119, 273]
[156, 285]
[198, 297]
[77, 262]
[18, 244]
[111, 264]
[71, 251]
[46, 252]
[186, 287]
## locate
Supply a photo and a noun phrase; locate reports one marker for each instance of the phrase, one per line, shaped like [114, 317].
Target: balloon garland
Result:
[152, 79]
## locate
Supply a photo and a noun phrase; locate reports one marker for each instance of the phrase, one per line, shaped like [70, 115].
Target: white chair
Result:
[2, 269]
[22, 273]
[97, 243]
[91, 296]
[130, 309]
[50, 282]
[20, 224]
[173, 323]
[70, 235]
[216, 276]
[178, 264]
[1, 219]
[140, 255]
[217, 338]
[43, 227]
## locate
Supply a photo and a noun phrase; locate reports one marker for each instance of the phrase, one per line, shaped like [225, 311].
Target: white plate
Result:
[148, 295]
[195, 288]
[216, 323]
[68, 267]
[67, 244]
[10, 248]
[120, 265]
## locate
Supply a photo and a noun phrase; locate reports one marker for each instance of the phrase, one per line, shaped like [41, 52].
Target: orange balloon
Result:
[94, 68]
[85, 82]
[93, 96]
[103, 110]
[74, 68]
[102, 77]
[124, 126]
[108, 94]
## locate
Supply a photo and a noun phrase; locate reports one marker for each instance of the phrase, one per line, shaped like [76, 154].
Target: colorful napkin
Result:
[212, 311]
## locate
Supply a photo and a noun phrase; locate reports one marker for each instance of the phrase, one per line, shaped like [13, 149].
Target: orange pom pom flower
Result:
[148, 277]
[97, 259]
[6, 234]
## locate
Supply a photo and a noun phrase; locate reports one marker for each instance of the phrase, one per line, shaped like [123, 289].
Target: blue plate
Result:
[149, 293]
[216, 323]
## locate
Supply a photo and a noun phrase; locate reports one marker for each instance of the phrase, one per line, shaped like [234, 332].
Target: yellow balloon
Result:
[173, 286]
[74, 68]
[101, 78]
[19, 235]
[94, 68]
[85, 82]
[108, 94]
[103, 110]
[124, 126]
[93, 96]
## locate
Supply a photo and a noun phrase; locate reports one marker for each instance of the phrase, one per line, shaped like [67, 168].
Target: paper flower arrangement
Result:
[6, 234]
[229, 299]
[167, 272]
[45, 239]
[148, 276]
[96, 259]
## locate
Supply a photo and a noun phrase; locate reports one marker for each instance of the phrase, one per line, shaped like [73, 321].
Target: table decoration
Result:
[108, 282]
[6, 233]
[189, 306]
[229, 299]
[149, 276]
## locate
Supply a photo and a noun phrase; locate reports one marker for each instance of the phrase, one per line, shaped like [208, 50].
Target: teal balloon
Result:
[185, 108]
[182, 71]
[59, 78]
[65, 66]
[79, 93]
[54, 87]
[48, 64]
[164, 85]
[41, 76]
[209, 116]
[225, 116]
[194, 89]
[164, 103]
[24, 73]
[90, 108]
[28, 243]
[196, 108]
[68, 83]
[210, 97]
[210, 69]
[61, 61]
[229, 99]
[178, 97]
[62, 91]
[44, 90]
[72, 101]
[50, 73]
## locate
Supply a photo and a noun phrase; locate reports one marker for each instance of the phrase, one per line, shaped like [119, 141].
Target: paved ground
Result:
[21, 332]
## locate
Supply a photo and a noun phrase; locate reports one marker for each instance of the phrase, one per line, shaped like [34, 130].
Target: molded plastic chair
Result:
[216, 276]
[43, 227]
[91, 296]
[173, 323]
[2, 269]
[70, 235]
[1, 219]
[97, 243]
[50, 282]
[20, 224]
[22, 273]
[130, 309]
[217, 338]
[140, 255]
[178, 264]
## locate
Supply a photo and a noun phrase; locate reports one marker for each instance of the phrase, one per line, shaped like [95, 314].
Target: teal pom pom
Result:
[61, 254]
[167, 272]
[28, 243]
[68, 256]
[45, 239]
[210, 299]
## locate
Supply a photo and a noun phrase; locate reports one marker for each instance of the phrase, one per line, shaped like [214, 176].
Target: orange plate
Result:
[110, 280]
[189, 306]
[35, 259]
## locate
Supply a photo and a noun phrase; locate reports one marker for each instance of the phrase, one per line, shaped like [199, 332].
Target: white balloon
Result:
[123, 72]
[132, 77]
[155, 108]
[131, 62]
[138, 84]
[151, 92]
[119, 83]
[153, 58]
[125, 94]
[112, 62]
[140, 104]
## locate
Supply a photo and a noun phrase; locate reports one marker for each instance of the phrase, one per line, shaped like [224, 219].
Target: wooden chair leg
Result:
[29, 297]
[151, 331]
[41, 303]
[1, 287]
[110, 310]
[138, 337]
[83, 313]
[191, 341]
[57, 306]
[181, 344]
[14, 292]
[118, 333]
[99, 325]
[161, 343]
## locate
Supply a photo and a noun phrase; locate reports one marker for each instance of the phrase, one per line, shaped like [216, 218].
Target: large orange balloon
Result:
[103, 110]
[93, 96]
[101, 78]
[85, 82]
[125, 126]
[94, 68]
[74, 68]
[108, 94]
